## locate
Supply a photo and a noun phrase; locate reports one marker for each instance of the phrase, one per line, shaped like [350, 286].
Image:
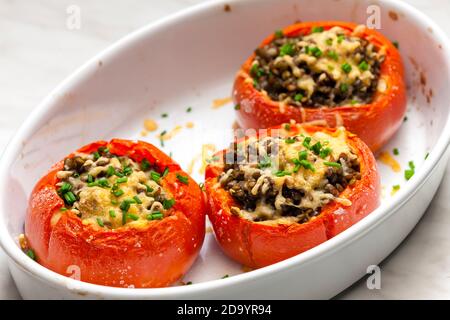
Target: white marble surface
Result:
[37, 51]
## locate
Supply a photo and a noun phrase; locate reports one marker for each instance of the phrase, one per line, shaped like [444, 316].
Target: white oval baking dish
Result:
[189, 59]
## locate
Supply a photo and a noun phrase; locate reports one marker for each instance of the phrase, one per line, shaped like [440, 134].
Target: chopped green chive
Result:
[282, 173]
[155, 216]
[278, 33]
[396, 44]
[410, 172]
[161, 137]
[316, 29]
[112, 213]
[138, 201]
[103, 149]
[182, 179]
[90, 178]
[329, 41]
[316, 148]
[363, 66]
[65, 187]
[289, 140]
[110, 171]
[127, 170]
[96, 155]
[332, 164]
[306, 142]
[405, 119]
[164, 115]
[149, 189]
[343, 87]
[225, 276]
[155, 176]
[145, 164]
[265, 162]
[307, 165]
[124, 217]
[316, 52]
[257, 71]
[118, 193]
[133, 216]
[168, 203]
[189, 109]
[30, 253]
[298, 97]
[93, 184]
[237, 107]
[122, 180]
[333, 55]
[324, 152]
[165, 172]
[346, 67]
[70, 198]
[396, 187]
[125, 205]
[395, 152]
[426, 155]
[287, 127]
[303, 155]
[287, 49]
[100, 222]
[340, 38]
[63, 209]
[103, 182]
[114, 202]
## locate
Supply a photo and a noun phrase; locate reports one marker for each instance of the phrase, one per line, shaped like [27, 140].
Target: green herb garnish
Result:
[346, 67]
[316, 29]
[278, 34]
[182, 179]
[100, 222]
[332, 164]
[145, 164]
[363, 66]
[168, 203]
[287, 49]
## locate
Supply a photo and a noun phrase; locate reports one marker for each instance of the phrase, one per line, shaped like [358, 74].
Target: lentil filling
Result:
[110, 191]
[329, 68]
[288, 179]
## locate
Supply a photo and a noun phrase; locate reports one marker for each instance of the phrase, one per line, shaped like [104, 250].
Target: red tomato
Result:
[257, 245]
[374, 123]
[154, 256]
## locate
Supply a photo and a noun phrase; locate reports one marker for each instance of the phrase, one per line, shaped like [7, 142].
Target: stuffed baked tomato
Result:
[122, 212]
[337, 73]
[276, 195]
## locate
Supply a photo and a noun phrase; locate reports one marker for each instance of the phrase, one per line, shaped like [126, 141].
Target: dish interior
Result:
[191, 63]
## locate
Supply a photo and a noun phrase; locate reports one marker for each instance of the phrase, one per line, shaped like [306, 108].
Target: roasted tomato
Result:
[333, 73]
[276, 194]
[118, 213]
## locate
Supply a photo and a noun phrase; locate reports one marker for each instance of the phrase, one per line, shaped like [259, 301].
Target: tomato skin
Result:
[374, 123]
[154, 256]
[260, 244]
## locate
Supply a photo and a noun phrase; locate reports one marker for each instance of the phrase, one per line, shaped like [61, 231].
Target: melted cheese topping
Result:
[286, 171]
[344, 49]
[97, 202]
